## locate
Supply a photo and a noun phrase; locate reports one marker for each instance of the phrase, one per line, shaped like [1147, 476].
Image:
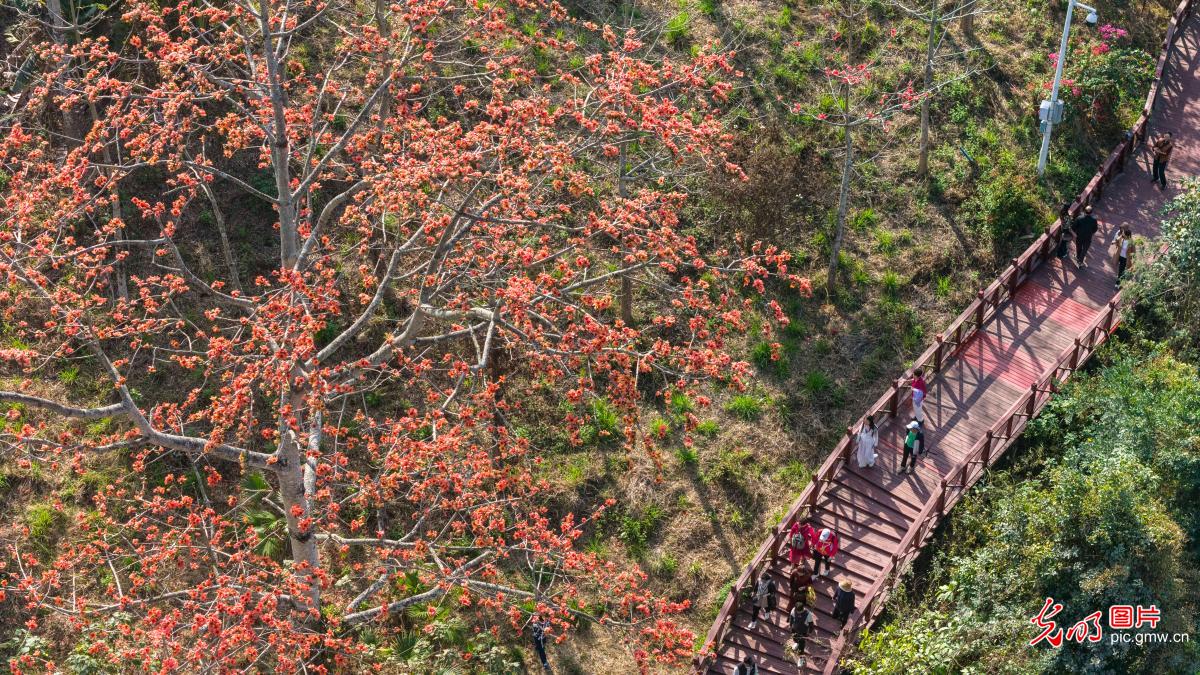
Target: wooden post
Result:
[1016, 277]
[958, 336]
[979, 310]
[937, 356]
[894, 401]
[1112, 314]
[1033, 392]
[987, 448]
[1075, 356]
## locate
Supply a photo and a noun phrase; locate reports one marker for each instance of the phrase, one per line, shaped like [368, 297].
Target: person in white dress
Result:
[868, 438]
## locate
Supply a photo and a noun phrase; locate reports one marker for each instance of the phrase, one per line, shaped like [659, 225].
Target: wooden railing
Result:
[983, 454]
[945, 346]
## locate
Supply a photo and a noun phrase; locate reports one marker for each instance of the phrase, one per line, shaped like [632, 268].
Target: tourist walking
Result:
[797, 545]
[1085, 228]
[746, 667]
[868, 438]
[824, 549]
[538, 629]
[800, 622]
[801, 586]
[1162, 147]
[1064, 241]
[843, 601]
[764, 598]
[918, 393]
[1123, 249]
[909, 459]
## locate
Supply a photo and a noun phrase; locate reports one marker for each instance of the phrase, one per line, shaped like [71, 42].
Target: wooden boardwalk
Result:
[995, 367]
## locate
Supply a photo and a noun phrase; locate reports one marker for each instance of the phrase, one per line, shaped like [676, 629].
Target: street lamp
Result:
[1051, 110]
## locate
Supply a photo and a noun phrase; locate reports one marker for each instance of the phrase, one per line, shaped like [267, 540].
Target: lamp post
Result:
[1051, 110]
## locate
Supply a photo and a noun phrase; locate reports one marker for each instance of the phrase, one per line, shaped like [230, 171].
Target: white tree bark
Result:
[843, 206]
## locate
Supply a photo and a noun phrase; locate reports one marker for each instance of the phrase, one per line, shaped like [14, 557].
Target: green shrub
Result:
[707, 7]
[747, 407]
[689, 457]
[1008, 205]
[784, 18]
[959, 114]
[604, 427]
[738, 519]
[890, 282]
[864, 220]
[636, 530]
[43, 521]
[708, 428]
[943, 287]
[681, 404]
[760, 356]
[731, 469]
[660, 427]
[796, 474]
[678, 29]
[885, 241]
[666, 565]
[817, 383]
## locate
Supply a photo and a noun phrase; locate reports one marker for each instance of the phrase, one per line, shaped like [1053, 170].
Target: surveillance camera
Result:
[1092, 18]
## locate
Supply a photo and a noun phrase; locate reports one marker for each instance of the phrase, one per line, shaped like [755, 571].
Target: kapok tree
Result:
[853, 103]
[937, 15]
[317, 429]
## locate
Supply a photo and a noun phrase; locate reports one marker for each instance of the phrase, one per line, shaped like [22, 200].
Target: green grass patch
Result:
[637, 529]
[679, 29]
[689, 457]
[745, 406]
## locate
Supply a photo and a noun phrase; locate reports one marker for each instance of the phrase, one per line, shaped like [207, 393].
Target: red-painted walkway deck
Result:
[873, 509]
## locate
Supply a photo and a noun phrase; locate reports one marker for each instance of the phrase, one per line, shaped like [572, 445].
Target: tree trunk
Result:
[114, 211]
[385, 33]
[626, 283]
[294, 491]
[923, 162]
[58, 33]
[968, 19]
[843, 205]
[289, 234]
[223, 235]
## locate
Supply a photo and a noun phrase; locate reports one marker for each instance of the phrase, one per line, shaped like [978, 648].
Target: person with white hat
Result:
[825, 548]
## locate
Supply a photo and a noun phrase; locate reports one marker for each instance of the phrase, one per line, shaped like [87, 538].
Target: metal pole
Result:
[1062, 56]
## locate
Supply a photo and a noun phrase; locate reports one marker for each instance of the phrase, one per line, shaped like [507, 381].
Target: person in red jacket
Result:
[825, 548]
[918, 394]
[800, 541]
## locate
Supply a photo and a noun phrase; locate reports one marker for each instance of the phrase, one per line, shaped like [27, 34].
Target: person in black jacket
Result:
[800, 621]
[746, 667]
[538, 628]
[843, 601]
[1085, 228]
[1064, 243]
